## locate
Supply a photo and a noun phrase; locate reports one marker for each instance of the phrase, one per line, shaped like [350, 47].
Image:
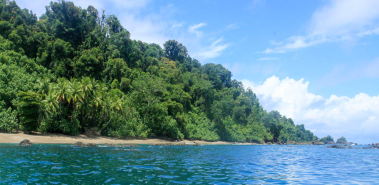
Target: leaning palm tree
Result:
[87, 110]
[99, 95]
[107, 109]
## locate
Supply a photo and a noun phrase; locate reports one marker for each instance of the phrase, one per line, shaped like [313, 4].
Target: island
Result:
[75, 71]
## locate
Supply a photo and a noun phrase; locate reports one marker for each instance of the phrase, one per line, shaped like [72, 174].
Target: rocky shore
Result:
[373, 146]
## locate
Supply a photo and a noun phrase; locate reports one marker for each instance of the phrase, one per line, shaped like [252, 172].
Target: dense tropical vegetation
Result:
[75, 68]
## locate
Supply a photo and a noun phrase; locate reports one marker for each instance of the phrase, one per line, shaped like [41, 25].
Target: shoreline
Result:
[66, 139]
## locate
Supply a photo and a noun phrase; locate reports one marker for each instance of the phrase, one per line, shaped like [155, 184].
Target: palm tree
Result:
[106, 109]
[43, 86]
[75, 95]
[50, 103]
[50, 106]
[87, 86]
[60, 90]
[75, 92]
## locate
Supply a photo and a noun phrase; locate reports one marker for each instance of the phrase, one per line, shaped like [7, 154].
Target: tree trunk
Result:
[106, 125]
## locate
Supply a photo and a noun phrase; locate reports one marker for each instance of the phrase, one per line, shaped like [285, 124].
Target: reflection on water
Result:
[64, 164]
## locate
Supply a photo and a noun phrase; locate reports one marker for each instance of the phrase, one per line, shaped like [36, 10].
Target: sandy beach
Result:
[65, 139]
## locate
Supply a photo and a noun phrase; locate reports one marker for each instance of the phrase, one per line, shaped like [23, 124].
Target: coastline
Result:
[66, 139]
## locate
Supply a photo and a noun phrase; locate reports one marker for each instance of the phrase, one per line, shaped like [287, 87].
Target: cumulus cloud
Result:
[356, 118]
[334, 22]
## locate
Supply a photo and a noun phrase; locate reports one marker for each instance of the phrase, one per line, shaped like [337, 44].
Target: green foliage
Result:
[198, 127]
[327, 139]
[75, 69]
[129, 126]
[341, 140]
[8, 119]
[28, 108]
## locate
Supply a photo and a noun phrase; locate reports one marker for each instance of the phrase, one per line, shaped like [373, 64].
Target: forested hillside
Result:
[75, 68]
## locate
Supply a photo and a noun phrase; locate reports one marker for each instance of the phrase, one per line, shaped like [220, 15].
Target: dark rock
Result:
[25, 142]
[163, 144]
[304, 143]
[122, 145]
[92, 145]
[336, 146]
[79, 144]
[178, 144]
[190, 144]
[375, 146]
[90, 132]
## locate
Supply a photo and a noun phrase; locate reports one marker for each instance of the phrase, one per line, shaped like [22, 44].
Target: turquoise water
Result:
[64, 164]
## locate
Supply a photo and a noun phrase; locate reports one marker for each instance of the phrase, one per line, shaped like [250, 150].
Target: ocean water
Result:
[64, 164]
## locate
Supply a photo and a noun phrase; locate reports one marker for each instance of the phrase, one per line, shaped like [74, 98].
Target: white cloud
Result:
[344, 17]
[334, 22]
[194, 29]
[276, 50]
[150, 29]
[177, 25]
[272, 42]
[232, 26]
[268, 58]
[212, 51]
[355, 118]
[37, 6]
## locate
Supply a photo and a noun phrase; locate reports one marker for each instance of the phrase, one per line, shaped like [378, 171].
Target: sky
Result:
[313, 61]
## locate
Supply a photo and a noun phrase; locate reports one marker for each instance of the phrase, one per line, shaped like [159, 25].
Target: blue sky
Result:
[314, 61]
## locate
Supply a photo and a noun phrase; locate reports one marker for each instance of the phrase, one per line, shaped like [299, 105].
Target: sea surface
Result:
[233, 164]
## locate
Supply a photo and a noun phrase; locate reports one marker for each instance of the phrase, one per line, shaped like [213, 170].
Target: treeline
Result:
[75, 68]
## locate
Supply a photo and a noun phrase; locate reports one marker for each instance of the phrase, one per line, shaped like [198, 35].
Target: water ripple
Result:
[63, 164]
